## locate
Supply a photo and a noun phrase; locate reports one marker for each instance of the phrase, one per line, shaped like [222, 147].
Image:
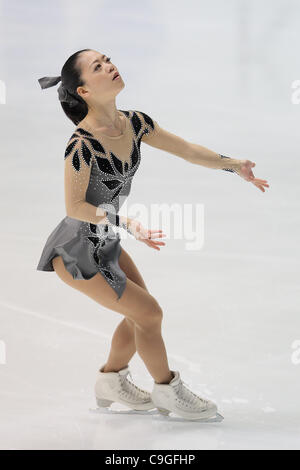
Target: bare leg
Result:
[122, 347]
[151, 348]
[138, 305]
[127, 339]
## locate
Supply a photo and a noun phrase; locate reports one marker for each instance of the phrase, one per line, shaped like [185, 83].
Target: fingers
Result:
[153, 244]
[158, 236]
[151, 234]
[262, 182]
[147, 236]
[261, 187]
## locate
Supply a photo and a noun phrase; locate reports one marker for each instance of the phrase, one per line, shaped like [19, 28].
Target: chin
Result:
[122, 85]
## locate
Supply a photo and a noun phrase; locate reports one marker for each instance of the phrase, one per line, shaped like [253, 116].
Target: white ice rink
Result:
[216, 73]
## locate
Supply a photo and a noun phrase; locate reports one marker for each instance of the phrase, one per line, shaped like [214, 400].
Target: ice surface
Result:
[219, 74]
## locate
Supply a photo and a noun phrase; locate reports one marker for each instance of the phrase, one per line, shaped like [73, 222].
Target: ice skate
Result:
[115, 387]
[177, 398]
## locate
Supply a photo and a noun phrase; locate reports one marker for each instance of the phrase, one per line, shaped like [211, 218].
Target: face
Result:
[97, 72]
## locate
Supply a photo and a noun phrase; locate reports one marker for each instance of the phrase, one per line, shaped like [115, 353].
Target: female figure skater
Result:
[101, 158]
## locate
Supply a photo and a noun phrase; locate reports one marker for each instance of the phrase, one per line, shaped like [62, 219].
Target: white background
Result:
[218, 74]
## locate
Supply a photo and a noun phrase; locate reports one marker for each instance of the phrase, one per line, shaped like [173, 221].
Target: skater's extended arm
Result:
[162, 139]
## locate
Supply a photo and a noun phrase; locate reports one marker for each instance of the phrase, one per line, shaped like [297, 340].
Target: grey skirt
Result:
[86, 249]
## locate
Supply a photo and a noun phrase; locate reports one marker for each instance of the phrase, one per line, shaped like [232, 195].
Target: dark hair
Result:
[71, 79]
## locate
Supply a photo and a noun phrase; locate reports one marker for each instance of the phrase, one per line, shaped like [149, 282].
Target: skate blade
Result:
[216, 419]
[104, 407]
[213, 419]
[129, 411]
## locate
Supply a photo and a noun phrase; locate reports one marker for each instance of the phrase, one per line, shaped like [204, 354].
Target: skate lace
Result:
[187, 397]
[129, 389]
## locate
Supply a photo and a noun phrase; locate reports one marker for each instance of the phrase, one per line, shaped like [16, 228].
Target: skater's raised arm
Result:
[162, 139]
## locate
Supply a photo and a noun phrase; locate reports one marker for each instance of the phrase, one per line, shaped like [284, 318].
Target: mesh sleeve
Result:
[157, 136]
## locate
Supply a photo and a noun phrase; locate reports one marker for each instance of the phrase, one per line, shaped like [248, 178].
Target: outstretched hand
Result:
[146, 235]
[247, 173]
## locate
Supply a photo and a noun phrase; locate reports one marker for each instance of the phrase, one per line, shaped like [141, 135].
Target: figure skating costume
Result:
[98, 172]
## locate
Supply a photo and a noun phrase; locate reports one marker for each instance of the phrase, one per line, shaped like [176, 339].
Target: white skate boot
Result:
[115, 387]
[177, 398]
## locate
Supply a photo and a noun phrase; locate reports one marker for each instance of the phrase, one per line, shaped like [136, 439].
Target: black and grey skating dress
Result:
[98, 173]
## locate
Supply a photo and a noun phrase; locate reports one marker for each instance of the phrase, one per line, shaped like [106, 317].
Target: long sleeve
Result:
[156, 136]
[162, 139]
[77, 171]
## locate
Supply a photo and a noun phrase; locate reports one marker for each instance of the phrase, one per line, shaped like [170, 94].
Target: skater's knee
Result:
[151, 317]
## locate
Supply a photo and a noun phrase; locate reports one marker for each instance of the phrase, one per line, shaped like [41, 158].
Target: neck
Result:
[104, 116]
